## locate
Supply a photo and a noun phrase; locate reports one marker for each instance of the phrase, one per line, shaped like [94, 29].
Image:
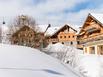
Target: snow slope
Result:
[63, 53]
[90, 65]
[19, 61]
[58, 47]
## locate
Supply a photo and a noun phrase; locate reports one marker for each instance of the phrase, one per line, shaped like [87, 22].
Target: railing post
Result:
[96, 49]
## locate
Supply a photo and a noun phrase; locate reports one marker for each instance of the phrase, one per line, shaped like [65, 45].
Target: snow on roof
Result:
[78, 30]
[52, 30]
[42, 28]
[72, 26]
[19, 61]
[76, 27]
[99, 17]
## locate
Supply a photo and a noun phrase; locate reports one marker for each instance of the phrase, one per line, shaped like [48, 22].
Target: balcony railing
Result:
[91, 38]
[93, 26]
[93, 30]
[54, 40]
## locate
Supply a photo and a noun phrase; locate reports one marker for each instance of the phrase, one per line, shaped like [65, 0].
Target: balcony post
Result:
[96, 49]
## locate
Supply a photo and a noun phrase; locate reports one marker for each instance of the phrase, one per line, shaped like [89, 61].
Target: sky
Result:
[54, 12]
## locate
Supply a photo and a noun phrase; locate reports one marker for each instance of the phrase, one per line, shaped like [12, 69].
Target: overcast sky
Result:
[56, 12]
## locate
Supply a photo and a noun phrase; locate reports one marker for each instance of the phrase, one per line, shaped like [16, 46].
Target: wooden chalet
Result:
[90, 36]
[27, 36]
[65, 35]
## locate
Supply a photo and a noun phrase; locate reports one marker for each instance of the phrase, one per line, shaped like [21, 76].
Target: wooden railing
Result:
[93, 25]
[91, 38]
[79, 46]
[54, 40]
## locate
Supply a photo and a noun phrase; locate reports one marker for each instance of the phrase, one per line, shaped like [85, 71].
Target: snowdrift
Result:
[90, 65]
[19, 61]
[66, 54]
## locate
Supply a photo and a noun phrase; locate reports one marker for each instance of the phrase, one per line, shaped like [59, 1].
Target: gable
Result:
[98, 17]
[65, 28]
[22, 31]
[90, 24]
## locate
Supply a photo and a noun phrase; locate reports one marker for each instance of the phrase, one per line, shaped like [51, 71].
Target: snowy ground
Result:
[19, 61]
[66, 54]
[88, 65]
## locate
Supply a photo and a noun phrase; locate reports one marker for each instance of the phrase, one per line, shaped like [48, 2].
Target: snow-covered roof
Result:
[52, 30]
[42, 28]
[19, 61]
[78, 30]
[76, 27]
[99, 17]
[60, 27]
[72, 26]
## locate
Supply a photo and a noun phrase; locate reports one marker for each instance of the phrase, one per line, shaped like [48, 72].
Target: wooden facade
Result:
[91, 36]
[65, 35]
[27, 36]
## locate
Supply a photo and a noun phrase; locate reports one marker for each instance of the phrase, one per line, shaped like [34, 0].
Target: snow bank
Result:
[19, 61]
[66, 54]
[58, 47]
[90, 65]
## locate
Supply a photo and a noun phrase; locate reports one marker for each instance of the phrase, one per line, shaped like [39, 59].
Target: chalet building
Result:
[26, 33]
[91, 34]
[65, 35]
[27, 36]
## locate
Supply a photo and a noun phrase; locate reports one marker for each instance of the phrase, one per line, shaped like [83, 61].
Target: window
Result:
[68, 36]
[85, 50]
[64, 36]
[73, 36]
[92, 50]
[71, 42]
[54, 42]
[60, 36]
[62, 42]
[78, 42]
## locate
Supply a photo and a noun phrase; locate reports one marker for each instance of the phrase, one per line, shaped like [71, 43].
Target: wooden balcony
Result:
[92, 26]
[54, 40]
[91, 38]
[79, 46]
[91, 30]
